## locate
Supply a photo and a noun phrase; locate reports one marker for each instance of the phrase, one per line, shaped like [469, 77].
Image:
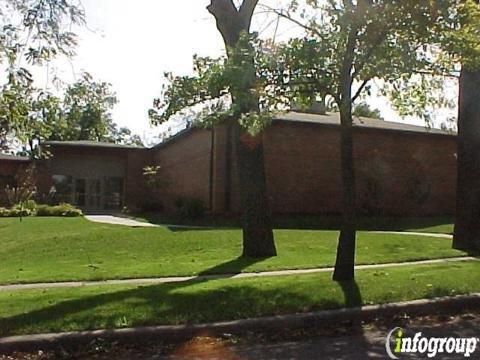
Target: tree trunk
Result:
[345, 262]
[467, 222]
[257, 225]
[258, 239]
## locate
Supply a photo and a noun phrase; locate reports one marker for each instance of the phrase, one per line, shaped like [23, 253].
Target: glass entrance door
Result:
[94, 194]
[113, 192]
[80, 192]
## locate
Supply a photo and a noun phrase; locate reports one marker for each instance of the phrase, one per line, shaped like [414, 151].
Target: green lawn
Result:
[33, 311]
[60, 249]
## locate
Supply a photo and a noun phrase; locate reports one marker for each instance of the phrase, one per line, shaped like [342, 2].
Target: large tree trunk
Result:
[257, 225]
[467, 222]
[345, 262]
[257, 228]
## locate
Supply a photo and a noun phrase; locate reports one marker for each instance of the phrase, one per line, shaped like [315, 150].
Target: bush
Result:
[190, 208]
[31, 208]
[4, 212]
[16, 211]
[19, 212]
[65, 210]
[30, 205]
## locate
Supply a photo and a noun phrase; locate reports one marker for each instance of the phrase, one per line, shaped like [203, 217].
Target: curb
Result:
[266, 324]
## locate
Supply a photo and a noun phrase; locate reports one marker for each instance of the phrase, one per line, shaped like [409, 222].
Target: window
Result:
[62, 188]
[113, 192]
[94, 193]
[80, 192]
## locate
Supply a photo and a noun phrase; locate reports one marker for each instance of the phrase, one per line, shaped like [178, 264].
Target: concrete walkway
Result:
[117, 220]
[437, 235]
[178, 279]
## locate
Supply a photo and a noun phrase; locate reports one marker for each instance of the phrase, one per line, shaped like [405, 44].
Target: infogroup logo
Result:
[397, 343]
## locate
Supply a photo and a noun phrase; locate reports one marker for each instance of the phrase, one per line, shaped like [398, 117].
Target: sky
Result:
[131, 44]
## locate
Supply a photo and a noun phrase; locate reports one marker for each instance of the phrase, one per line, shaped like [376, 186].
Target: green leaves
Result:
[219, 90]
[44, 32]
[30, 115]
[393, 41]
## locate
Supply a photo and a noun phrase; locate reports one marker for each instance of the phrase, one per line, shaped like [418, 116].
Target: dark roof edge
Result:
[8, 157]
[420, 131]
[93, 145]
[175, 137]
[426, 131]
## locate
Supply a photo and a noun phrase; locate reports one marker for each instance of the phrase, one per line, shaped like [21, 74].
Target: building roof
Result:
[9, 157]
[333, 119]
[174, 137]
[97, 144]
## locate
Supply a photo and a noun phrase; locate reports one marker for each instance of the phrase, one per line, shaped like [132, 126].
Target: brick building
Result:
[401, 169]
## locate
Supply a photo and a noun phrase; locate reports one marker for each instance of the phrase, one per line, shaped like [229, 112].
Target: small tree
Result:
[24, 190]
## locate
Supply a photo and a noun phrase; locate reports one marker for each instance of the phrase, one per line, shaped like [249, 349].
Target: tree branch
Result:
[229, 23]
[222, 8]
[288, 17]
[246, 12]
[360, 89]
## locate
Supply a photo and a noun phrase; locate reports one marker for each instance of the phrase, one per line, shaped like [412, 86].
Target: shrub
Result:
[4, 212]
[30, 205]
[17, 211]
[190, 208]
[65, 210]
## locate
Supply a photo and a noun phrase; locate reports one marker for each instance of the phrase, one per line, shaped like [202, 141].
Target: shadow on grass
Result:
[187, 302]
[192, 301]
[232, 267]
[162, 300]
[351, 293]
[180, 303]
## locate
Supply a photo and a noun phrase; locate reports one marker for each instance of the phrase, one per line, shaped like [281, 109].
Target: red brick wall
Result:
[398, 173]
[137, 193]
[302, 168]
[185, 164]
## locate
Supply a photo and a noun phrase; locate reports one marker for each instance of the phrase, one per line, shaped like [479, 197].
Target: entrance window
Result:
[62, 188]
[80, 192]
[113, 193]
[94, 193]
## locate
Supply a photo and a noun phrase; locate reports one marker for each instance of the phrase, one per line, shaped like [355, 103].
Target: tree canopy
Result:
[82, 113]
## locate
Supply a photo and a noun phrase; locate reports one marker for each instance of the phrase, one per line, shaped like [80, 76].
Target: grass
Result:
[439, 224]
[62, 249]
[34, 311]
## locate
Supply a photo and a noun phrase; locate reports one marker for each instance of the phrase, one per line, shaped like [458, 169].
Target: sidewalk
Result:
[117, 220]
[164, 280]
